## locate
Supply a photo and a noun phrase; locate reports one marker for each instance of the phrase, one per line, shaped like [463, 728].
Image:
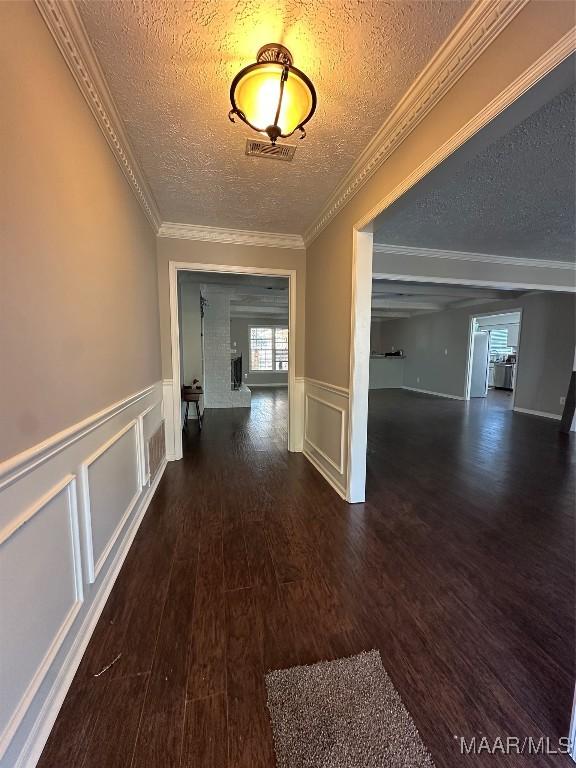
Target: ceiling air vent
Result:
[272, 151]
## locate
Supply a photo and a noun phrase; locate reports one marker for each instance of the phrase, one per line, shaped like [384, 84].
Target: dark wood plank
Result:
[207, 665]
[112, 742]
[75, 724]
[236, 573]
[160, 736]
[249, 731]
[205, 742]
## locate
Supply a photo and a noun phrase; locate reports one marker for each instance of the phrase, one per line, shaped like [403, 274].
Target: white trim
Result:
[225, 235]
[143, 448]
[40, 731]
[283, 384]
[478, 28]
[68, 484]
[93, 568]
[360, 322]
[22, 463]
[436, 394]
[9, 530]
[67, 29]
[338, 467]
[328, 387]
[174, 267]
[484, 258]
[544, 414]
[330, 480]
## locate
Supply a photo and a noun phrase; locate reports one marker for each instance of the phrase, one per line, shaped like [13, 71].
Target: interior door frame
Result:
[184, 266]
[468, 380]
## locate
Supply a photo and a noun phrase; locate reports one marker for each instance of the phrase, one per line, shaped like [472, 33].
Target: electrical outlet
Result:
[562, 400]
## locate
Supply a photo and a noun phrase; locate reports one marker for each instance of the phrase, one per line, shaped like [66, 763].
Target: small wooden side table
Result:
[191, 395]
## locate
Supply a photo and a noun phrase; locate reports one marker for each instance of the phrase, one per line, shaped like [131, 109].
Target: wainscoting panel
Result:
[45, 539]
[112, 481]
[326, 431]
[69, 510]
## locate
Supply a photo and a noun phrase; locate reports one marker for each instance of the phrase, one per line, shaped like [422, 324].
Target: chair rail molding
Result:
[236, 236]
[69, 32]
[16, 466]
[478, 28]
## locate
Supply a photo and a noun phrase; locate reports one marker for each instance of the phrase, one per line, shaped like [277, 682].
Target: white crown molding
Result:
[67, 29]
[434, 253]
[478, 28]
[237, 236]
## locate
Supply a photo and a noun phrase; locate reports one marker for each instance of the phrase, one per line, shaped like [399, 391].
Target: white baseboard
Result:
[436, 394]
[40, 731]
[544, 414]
[316, 464]
[252, 384]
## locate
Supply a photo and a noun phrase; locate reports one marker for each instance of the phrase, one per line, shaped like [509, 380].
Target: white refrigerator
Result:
[479, 365]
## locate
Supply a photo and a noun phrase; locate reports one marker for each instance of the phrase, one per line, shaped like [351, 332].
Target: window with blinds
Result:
[499, 342]
[269, 349]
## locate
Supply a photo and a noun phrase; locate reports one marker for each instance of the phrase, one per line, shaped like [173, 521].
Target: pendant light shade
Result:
[272, 96]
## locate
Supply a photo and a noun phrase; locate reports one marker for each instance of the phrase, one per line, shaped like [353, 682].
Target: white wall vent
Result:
[255, 148]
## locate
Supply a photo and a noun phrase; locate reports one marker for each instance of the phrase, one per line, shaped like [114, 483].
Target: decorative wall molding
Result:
[235, 236]
[315, 447]
[14, 468]
[339, 467]
[67, 28]
[434, 253]
[38, 734]
[66, 485]
[91, 474]
[93, 565]
[327, 387]
[340, 490]
[478, 28]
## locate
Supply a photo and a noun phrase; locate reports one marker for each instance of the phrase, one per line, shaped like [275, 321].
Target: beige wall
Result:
[196, 251]
[329, 262]
[78, 291]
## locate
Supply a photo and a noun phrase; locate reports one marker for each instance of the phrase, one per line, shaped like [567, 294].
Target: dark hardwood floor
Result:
[459, 568]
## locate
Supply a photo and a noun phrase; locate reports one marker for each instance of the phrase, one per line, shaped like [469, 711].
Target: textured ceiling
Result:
[169, 66]
[517, 197]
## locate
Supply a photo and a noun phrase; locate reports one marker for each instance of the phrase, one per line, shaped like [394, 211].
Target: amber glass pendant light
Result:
[272, 96]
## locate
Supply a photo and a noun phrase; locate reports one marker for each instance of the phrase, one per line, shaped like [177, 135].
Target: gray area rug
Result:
[342, 714]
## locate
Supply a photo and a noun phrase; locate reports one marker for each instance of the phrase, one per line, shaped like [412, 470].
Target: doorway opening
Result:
[494, 344]
[232, 354]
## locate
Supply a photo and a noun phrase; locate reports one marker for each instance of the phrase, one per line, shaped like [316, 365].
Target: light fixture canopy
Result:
[272, 96]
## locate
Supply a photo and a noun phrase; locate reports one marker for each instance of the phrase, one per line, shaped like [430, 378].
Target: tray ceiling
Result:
[169, 66]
